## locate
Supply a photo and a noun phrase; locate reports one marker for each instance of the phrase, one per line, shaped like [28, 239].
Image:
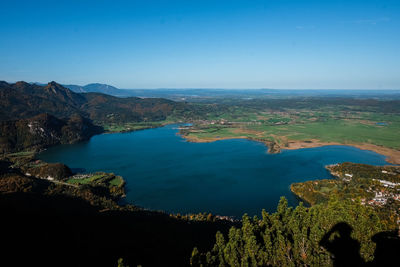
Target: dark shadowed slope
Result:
[23, 100]
[44, 130]
[48, 224]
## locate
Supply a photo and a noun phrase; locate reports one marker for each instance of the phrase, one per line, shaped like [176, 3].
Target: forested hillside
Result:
[44, 130]
[24, 100]
[35, 117]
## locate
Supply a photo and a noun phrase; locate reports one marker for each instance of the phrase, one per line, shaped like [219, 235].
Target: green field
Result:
[87, 180]
[117, 181]
[22, 154]
[108, 179]
[328, 125]
[127, 127]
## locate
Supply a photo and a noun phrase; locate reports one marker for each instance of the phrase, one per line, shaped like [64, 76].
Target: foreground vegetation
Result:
[301, 237]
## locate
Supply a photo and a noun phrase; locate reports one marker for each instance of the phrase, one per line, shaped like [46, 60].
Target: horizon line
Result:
[212, 88]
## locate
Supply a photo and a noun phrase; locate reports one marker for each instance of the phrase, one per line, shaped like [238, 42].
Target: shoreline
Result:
[392, 155]
[140, 129]
[299, 198]
[291, 145]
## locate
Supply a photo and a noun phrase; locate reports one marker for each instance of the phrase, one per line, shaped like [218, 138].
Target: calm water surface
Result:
[228, 177]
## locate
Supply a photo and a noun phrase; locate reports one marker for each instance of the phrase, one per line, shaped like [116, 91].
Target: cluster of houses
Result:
[387, 183]
[389, 190]
[45, 178]
[380, 199]
[226, 218]
[347, 177]
[212, 122]
[225, 122]
[383, 194]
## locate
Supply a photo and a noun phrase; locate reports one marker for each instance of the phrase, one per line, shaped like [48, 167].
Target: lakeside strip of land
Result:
[392, 155]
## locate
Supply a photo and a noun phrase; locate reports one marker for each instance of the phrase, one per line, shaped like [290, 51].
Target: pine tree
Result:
[121, 263]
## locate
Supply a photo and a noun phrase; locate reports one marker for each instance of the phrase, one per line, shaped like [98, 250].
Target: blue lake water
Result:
[228, 177]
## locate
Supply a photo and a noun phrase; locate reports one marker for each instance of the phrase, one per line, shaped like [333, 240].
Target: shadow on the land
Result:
[345, 250]
[39, 230]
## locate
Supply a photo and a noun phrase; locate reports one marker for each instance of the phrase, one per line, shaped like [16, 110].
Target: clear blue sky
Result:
[203, 44]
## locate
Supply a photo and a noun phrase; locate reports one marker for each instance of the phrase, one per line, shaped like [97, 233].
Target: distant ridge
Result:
[99, 88]
[204, 94]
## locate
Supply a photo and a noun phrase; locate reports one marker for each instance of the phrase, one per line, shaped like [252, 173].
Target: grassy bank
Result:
[292, 129]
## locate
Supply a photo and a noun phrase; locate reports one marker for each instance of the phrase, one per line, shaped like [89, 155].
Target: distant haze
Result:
[246, 94]
[296, 44]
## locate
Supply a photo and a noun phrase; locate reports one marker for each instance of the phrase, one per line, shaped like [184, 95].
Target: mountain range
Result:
[35, 117]
[23, 100]
[100, 88]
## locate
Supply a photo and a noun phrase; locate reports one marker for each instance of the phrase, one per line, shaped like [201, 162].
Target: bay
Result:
[227, 177]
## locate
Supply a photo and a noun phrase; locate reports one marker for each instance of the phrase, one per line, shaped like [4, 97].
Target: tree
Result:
[121, 263]
[292, 237]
